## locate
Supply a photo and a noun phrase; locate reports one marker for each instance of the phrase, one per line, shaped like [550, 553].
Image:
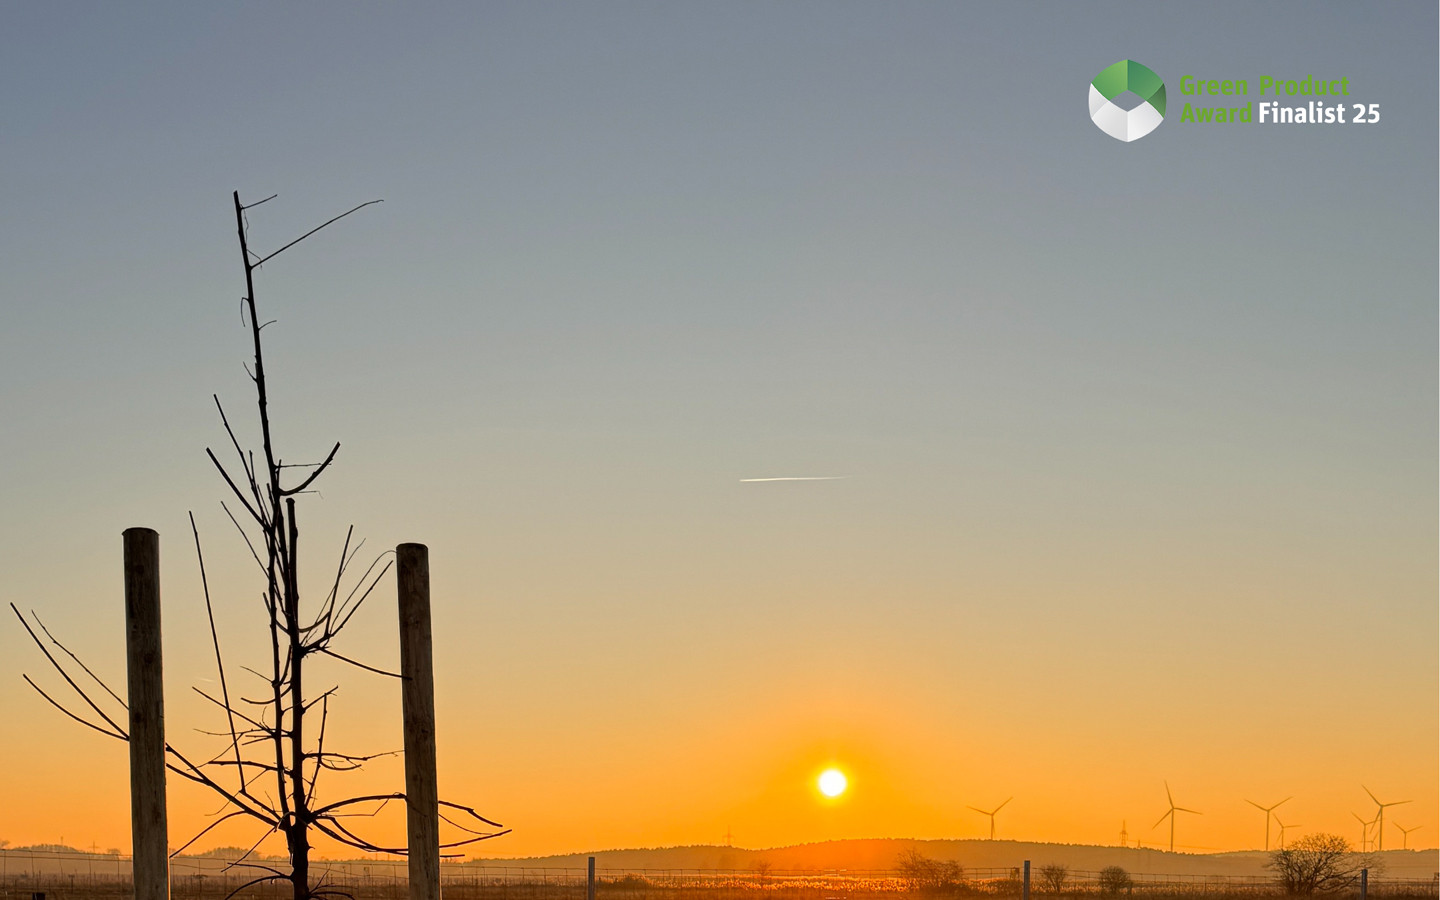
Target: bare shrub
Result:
[1115, 880]
[762, 869]
[1053, 877]
[919, 872]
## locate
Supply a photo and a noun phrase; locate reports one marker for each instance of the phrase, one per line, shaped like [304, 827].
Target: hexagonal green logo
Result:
[1127, 76]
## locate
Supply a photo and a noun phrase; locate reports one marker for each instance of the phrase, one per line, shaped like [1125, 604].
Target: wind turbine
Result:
[1170, 814]
[991, 814]
[1364, 830]
[1380, 818]
[1405, 834]
[1268, 811]
[1283, 826]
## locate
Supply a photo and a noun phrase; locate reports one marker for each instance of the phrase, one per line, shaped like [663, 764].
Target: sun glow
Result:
[833, 782]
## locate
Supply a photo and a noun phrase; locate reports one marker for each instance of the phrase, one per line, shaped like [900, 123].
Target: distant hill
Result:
[874, 855]
[881, 853]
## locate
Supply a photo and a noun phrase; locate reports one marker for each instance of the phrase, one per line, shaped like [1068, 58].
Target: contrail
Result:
[796, 478]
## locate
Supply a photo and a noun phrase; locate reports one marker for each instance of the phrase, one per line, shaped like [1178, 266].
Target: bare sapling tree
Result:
[269, 770]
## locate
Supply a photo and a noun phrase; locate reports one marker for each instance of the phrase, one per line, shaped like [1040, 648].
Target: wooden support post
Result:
[1364, 883]
[1025, 891]
[417, 699]
[149, 835]
[590, 881]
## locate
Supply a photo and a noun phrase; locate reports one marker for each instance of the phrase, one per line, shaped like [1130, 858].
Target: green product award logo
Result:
[1127, 77]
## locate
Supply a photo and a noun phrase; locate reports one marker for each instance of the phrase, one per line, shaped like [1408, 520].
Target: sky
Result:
[1140, 438]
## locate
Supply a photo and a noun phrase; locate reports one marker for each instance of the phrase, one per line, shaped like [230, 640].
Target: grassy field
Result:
[569, 885]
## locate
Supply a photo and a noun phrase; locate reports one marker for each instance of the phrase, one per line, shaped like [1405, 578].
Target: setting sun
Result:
[833, 782]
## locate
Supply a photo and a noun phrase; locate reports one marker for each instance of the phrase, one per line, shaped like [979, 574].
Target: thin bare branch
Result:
[328, 652]
[345, 836]
[204, 831]
[246, 465]
[249, 762]
[240, 861]
[322, 698]
[302, 237]
[195, 773]
[349, 837]
[261, 880]
[366, 798]
[328, 607]
[66, 675]
[345, 615]
[85, 722]
[245, 536]
[320, 741]
[259, 726]
[357, 758]
[228, 480]
[472, 813]
[315, 474]
[258, 202]
[215, 640]
[79, 662]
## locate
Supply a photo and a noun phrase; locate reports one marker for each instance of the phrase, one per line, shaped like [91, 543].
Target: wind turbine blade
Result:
[1172, 799]
[1282, 802]
[1183, 809]
[1008, 799]
[1358, 819]
[1397, 802]
[1372, 796]
[1258, 806]
[1162, 819]
[980, 811]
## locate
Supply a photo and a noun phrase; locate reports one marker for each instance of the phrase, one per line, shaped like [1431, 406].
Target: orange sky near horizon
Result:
[685, 760]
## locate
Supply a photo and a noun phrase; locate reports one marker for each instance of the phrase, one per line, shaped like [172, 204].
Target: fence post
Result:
[590, 881]
[149, 837]
[417, 709]
[1364, 883]
[1025, 885]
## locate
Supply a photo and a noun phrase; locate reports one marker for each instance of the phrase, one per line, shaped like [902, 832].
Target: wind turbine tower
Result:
[1364, 831]
[1283, 826]
[1268, 810]
[991, 814]
[1380, 817]
[1170, 814]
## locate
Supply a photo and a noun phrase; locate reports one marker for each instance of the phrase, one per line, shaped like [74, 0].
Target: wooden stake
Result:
[417, 700]
[148, 832]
